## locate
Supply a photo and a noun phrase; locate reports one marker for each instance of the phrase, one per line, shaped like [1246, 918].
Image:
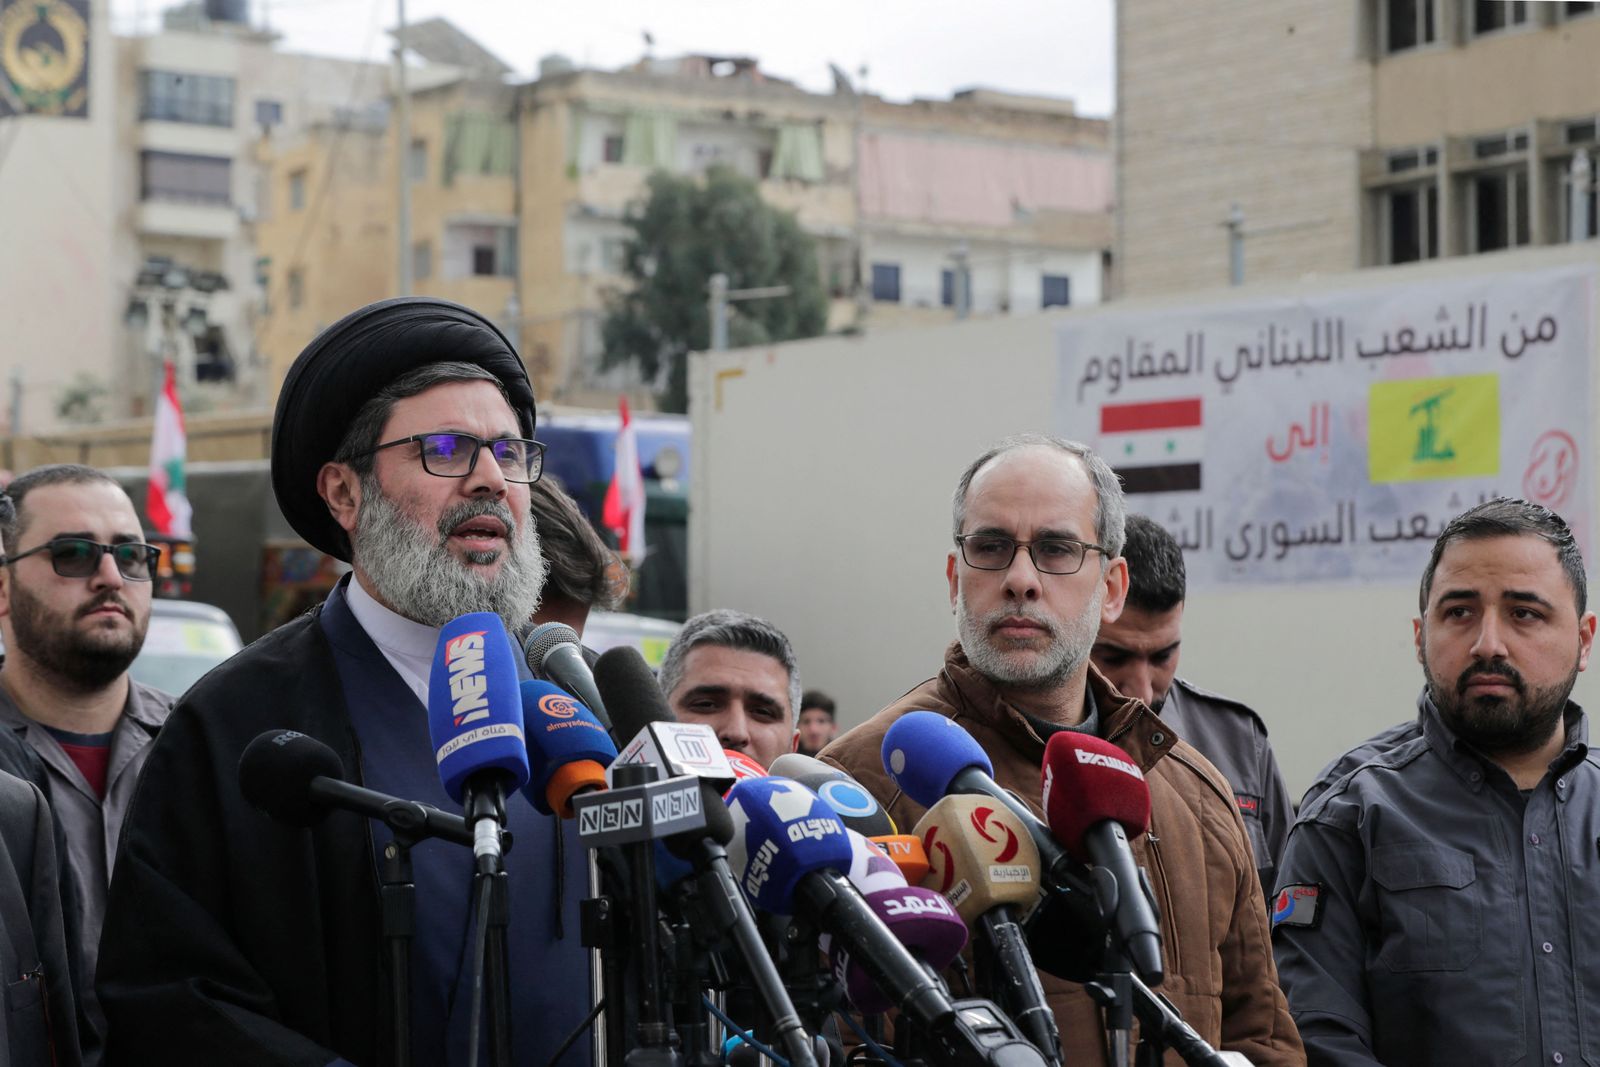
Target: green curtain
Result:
[478, 142]
[649, 139]
[798, 154]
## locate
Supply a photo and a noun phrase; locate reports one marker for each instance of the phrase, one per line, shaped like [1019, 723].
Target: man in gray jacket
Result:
[74, 606]
[1436, 903]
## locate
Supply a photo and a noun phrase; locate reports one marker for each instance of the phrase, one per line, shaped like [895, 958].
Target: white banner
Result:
[1330, 437]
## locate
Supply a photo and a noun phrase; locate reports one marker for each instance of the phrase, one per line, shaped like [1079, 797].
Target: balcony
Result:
[174, 218]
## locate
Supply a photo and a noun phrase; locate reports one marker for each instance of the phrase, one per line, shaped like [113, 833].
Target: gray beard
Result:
[412, 570]
[1068, 650]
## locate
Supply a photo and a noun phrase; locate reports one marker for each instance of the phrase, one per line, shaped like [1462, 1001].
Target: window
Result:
[483, 261]
[1408, 223]
[421, 260]
[611, 151]
[1497, 210]
[173, 176]
[947, 288]
[886, 282]
[269, 113]
[297, 190]
[1408, 24]
[297, 287]
[167, 96]
[1574, 8]
[1055, 291]
[1589, 196]
[417, 162]
[1491, 15]
[613, 254]
[480, 250]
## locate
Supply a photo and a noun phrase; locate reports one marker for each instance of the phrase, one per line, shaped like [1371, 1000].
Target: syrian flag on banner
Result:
[623, 513]
[1155, 446]
[165, 501]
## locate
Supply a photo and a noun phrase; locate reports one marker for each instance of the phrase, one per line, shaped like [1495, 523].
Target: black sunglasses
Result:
[78, 557]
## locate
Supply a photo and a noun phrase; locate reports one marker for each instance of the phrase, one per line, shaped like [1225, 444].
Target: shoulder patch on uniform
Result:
[1249, 805]
[1298, 904]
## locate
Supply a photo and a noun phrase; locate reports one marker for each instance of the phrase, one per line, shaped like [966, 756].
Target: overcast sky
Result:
[911, 48]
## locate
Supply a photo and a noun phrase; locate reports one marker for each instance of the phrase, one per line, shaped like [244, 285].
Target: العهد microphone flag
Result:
[166, 501]
[623, 512]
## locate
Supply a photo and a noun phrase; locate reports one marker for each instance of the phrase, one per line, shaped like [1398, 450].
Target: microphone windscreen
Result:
[907, 853]
[979, 856]
[745, 767]
[561, 733]
[276, 770]
[923, 751]
[781, 832]
[871, 869]
[543, 638]
[850, 800]
[920, 919]
[1087, 781]
[795, 764]
[474, 707]
[632, 696]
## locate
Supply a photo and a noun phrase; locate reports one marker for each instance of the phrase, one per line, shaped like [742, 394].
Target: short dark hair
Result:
[816, 698]
[1156, 579]
[1510, 517]
[725, 628]
[1108, 500]
[356, 447]
[14, 519]
[582, 569]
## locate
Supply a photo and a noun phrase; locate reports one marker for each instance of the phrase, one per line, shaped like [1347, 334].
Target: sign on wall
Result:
[44, 58]
[1330, 437]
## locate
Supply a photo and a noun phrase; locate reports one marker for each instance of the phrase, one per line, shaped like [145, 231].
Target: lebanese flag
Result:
[623, 513]
[165, 501]
[1156, 446]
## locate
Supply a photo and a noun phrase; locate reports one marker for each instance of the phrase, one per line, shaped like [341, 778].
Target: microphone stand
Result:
[492, 885]
[398, 892]
[655, 1033]
[1112, 988]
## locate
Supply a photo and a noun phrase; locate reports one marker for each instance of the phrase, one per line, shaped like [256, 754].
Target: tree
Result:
[684, 231]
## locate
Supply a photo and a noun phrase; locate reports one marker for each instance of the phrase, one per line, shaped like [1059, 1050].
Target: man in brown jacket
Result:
[1037, 568]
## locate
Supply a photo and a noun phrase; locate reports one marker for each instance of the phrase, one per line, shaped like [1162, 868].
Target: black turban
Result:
[345, 366]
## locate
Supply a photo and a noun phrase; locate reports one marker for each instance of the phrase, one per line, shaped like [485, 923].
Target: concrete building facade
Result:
[1348, 135]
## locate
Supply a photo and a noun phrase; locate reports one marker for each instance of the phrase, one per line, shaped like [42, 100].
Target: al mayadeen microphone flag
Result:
[165, 500]
[623, 512]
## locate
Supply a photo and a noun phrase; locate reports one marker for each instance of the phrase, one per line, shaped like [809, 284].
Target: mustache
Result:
[475, 508]
[109, 597]
[992, 620]
[1495, 668]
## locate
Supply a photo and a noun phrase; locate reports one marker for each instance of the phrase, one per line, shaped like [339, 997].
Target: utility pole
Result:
[1580, 180]
[1235, 227]
[722, 296]
[402, 148]
[961, 282]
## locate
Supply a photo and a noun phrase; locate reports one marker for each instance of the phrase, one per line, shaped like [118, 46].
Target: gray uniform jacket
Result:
[1234, 739]
[92, 826]
[1428, 912]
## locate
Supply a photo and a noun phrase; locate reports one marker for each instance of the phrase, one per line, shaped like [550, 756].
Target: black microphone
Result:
[296, 779]
[553, 651]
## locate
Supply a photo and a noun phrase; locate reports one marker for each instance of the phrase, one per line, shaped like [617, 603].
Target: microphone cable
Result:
[744, 1035]
[480, 939]
[867, 1041]
[567, 1042]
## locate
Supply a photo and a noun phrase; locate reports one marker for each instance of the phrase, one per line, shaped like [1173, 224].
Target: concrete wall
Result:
[821, 501]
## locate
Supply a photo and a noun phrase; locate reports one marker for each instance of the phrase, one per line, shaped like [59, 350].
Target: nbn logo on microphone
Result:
[463, 655]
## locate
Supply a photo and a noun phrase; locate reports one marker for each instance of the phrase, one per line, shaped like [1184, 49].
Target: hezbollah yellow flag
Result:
[1425, 428]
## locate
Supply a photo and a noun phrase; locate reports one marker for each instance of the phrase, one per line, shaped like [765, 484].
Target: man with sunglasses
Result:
[402, 443]
[1035, 570]
[74, 606]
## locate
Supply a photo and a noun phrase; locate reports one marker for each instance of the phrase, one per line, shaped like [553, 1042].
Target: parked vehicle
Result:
[185, 640]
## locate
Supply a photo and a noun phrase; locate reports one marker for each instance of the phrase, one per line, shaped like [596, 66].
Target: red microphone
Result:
[1096, 800]
[743, 766]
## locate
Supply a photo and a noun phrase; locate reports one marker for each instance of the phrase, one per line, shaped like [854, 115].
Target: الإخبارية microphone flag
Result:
[623, 512]
[166, 501]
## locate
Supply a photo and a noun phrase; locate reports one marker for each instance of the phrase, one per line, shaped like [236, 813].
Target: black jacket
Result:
[230, 938]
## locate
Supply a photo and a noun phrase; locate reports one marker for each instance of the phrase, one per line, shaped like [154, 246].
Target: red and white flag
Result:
[165, 501]
[1155, 446]
[623, 513]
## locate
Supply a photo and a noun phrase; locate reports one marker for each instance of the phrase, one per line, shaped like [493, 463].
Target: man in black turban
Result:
[402, 443]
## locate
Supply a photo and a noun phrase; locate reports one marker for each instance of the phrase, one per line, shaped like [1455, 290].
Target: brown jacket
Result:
[1219, 967]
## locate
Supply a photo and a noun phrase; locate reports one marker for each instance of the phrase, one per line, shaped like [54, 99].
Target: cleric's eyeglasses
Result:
[454, 455]
[78, 557]
[1051, 555]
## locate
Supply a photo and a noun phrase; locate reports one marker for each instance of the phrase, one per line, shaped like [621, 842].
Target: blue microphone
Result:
[475, 720]
[782, 832]
[568, 749]
[924, 752]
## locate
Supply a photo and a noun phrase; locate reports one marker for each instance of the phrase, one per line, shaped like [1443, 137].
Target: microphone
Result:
[475, 720]
[858, 808]
[568, 749]
[1095, 800]
[295, 779]
[986, 864]
[640, 711]
[929, 755]
[553, 651]
[743, 766]
[787, 851]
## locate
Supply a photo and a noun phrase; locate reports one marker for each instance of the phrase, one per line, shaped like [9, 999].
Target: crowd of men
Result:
[1429, 904]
